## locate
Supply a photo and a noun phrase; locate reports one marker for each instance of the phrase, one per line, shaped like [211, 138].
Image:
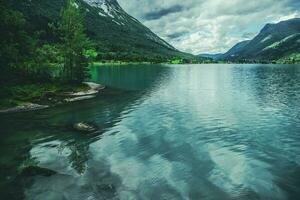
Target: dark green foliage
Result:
[48, 62]
[33, 51]
[15, 45]
[74, 43]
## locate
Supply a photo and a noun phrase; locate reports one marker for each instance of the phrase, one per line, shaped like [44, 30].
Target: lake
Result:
[194, 132]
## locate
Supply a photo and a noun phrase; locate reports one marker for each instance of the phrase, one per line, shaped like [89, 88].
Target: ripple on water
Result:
[187, 132]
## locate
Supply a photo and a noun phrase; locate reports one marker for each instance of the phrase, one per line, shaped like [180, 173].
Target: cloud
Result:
[287, 17]
[248, 35]
[214, 26]
[177, 34]
[162, 12]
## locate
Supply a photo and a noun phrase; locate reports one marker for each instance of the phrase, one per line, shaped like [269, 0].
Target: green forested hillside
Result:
[236, 49]
[46, 46]
[35, 62]
[117, 36]
[275, 42]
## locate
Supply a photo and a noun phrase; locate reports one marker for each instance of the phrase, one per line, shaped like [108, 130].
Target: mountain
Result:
[117, 35]
[274, 42]
[235, 50]
[212, 56]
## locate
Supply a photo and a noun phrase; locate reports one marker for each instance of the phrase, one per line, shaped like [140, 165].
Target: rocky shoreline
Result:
[62, 98]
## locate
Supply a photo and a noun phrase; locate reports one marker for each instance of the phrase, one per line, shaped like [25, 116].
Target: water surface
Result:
[165, 132]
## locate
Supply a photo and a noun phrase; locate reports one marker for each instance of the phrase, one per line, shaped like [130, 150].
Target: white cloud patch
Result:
[214, 26]
[287, 17]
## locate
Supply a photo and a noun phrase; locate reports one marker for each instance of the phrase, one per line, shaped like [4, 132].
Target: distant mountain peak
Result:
[273, 42]
[100, 2]
[110, 8]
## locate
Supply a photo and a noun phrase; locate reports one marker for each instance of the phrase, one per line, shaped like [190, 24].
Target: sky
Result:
[209, 26]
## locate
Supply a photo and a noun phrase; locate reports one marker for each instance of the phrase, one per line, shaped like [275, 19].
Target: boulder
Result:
[95, 86]
[84, 127]
[92, 92]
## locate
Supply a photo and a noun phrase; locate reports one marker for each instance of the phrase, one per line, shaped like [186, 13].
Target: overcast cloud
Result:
[209, 26]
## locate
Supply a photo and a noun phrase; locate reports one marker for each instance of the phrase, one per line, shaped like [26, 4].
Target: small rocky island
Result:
[89, 91]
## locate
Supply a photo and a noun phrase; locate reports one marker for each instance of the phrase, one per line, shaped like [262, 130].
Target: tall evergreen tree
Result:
[75, 43]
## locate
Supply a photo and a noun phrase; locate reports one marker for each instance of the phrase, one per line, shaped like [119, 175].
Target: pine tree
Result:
[74, 43]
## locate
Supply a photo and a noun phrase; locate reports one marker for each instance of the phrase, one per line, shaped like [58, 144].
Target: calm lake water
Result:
[209, 132]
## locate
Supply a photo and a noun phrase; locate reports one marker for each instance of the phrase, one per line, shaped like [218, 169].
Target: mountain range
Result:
[280, 41]
[117, 35]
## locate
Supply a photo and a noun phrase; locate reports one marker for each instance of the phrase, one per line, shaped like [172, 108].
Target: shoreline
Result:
[95, 64]
[57, 99]
[121, 63]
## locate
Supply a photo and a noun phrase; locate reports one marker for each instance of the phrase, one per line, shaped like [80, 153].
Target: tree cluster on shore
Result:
[27, 57]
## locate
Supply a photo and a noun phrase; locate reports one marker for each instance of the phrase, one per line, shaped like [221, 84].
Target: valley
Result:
[149, 100]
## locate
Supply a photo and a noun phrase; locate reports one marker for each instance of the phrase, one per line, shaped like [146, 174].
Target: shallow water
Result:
[164, 132]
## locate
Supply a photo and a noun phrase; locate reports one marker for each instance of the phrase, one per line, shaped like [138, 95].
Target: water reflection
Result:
[169, 132]
[47, 138]
[131, 77]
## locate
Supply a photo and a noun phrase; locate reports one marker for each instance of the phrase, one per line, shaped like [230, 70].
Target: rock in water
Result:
[84, 127]
[79, 98]
[95, 86]
[94, 89]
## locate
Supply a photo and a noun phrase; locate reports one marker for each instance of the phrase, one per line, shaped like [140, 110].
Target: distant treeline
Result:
[292, 59]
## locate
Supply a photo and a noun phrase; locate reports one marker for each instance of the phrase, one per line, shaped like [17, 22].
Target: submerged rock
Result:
[29, 171]
[84, 127]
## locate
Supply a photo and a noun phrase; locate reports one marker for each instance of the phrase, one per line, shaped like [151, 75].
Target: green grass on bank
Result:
[118, 63]
[173, 61]
[291, 59]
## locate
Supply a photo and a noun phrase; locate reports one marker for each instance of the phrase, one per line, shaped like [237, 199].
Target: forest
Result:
[31, 65]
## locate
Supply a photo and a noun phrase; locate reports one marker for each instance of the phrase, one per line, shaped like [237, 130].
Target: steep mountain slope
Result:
[117, 34]
[235, 50]
[274, 41]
